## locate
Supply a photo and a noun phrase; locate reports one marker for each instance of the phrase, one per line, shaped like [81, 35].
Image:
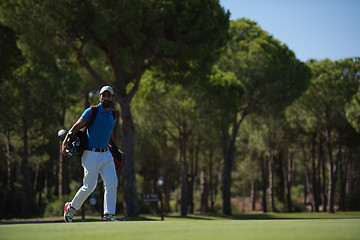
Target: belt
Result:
[97, 149]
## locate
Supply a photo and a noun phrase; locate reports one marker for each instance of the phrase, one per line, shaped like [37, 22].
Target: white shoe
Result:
[110, 218]
[68, 212]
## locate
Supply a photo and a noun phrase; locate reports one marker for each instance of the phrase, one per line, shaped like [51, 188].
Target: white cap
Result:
[107, 88]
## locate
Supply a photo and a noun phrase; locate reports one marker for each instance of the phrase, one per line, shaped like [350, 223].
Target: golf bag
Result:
[77, 143]
[118, 156]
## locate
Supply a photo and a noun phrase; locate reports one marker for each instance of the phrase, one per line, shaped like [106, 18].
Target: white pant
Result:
[93, 164]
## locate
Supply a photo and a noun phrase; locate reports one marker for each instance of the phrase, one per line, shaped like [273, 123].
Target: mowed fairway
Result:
[189, 229]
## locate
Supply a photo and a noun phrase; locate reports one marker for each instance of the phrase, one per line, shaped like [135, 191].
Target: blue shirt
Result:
[99, 132]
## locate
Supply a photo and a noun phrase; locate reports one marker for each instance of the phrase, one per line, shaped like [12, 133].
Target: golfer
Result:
[96, 157]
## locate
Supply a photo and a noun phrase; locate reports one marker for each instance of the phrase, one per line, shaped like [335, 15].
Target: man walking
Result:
[96, 158]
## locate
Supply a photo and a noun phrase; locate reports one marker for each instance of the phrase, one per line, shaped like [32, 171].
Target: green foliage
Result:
[55, 208]
[269, 71]
[352, 107]
[138, 33]
[117, 41]
[331, 98]
[223, 92]
[11, 56]
[51, 52]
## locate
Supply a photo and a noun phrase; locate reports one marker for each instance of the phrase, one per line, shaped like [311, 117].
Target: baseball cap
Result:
[107, 88]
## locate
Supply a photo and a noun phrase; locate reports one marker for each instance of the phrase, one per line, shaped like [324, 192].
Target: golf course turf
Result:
[199, 227]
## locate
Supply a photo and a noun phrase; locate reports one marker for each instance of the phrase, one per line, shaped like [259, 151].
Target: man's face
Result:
[106, 99]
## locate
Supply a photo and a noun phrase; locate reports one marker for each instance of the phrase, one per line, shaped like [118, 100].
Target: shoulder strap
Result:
[114, 114]
[93, 114]
[112, 143]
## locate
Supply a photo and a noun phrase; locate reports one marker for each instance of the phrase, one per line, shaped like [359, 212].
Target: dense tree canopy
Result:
[222, 110]
[133, 36]
[272, 78]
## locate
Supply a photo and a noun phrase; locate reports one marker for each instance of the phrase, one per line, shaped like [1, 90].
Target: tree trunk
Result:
[347, 177]
[281, 185]
[331, 171]
[167, 191]
[322, 161]
[131, 205]
[25, 172]
[36, 178]
[243, 196]
[204, 191]
[194, 151]
[263, 182]
[307, 183]
[315, 189]
[190, 195]
[183, 176]
[193, 172]
[61, 171]
[271, 179]
[54, 178]
[196, 172]
[287, 172]
[211, 189]
[10, 175]
[253, 195]
[228, 152]
[343, 180]
[227, 183]
[8, 162]
[332, 177]
[64, 185]
[318, 174]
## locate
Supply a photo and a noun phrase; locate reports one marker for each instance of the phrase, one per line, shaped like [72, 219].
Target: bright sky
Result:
[316, 29]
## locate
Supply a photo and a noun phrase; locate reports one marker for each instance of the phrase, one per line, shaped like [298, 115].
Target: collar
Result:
[101, 108]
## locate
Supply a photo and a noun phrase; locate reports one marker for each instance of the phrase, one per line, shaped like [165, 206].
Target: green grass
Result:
[199, 227]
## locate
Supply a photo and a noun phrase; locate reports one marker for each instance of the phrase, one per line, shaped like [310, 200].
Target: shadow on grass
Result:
[293, 216]
[268, 216]
[265, 216]
[29, 221]
[75, 220]
[190, 217]
[209, 216]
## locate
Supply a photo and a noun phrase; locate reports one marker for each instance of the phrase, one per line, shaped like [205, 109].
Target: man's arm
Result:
[77, 126]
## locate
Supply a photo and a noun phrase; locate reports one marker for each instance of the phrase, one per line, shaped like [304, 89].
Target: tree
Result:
[272, 78]
[175, 109]
[353, 106]
[37, 92]
[11, 58]
[133, 36]
[333, 85]
[225, 91]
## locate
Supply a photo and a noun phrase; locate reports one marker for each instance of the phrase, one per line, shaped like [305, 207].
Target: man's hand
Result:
[72, 133]
[65, 149]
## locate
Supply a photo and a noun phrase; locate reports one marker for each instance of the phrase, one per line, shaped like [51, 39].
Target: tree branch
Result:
[83, 62]
[236, 125]
[172, 135]
[139, 72]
